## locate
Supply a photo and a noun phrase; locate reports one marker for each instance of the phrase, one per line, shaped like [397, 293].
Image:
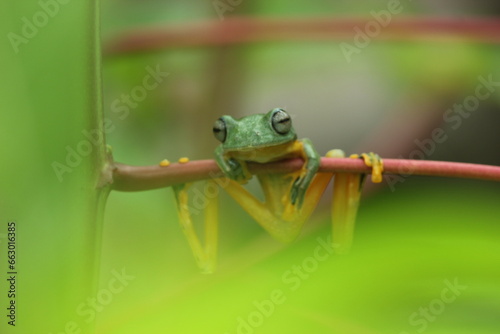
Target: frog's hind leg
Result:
[277, 215]
[347, 189]
[206, 256]
[346, 195]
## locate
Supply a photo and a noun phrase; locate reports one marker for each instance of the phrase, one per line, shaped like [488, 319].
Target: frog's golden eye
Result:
[220, 130]
[281, 121]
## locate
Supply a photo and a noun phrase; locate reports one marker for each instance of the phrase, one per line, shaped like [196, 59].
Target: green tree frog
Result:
[290, 198]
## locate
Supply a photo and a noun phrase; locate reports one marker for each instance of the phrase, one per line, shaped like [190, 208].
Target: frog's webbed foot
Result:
[298, 191]
[346, 196]
[307, 174]
[372, 160]
[237, 171]
[232, 168]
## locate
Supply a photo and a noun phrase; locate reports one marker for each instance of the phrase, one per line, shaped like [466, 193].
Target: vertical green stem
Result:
[53, 155]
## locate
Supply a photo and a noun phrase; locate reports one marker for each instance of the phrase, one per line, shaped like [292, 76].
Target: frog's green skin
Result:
[290, 198]
[264, 138]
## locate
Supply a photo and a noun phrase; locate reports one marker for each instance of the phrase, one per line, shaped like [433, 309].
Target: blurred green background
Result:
[426, 255]
[409, 239]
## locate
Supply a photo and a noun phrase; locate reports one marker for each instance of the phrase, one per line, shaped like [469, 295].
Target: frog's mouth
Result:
[248, 148]
[265, 153]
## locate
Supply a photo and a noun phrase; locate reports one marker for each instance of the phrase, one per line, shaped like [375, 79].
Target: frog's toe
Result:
[238, 171]
[293, 195]
[233, 175]
[235, 171]
[298, 192]
[374, 161]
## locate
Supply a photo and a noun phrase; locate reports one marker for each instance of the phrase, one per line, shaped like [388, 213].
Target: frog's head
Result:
[255, 131]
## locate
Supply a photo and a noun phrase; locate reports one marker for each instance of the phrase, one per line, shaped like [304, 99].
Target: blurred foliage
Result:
[50, 90]
[409, 242]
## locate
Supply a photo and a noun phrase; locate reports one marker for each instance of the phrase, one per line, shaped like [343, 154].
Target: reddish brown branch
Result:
[138, 178]
[234, 30]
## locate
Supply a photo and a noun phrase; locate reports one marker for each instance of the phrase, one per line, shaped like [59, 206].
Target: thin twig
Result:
[139, 178]
[234, 30]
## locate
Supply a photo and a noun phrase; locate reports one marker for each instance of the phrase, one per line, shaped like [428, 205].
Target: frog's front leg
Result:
[232, 168]
[309, 169]
[289, 198]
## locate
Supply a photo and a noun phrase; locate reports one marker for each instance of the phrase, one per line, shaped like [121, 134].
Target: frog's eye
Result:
[220, 130]
[281, 121]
